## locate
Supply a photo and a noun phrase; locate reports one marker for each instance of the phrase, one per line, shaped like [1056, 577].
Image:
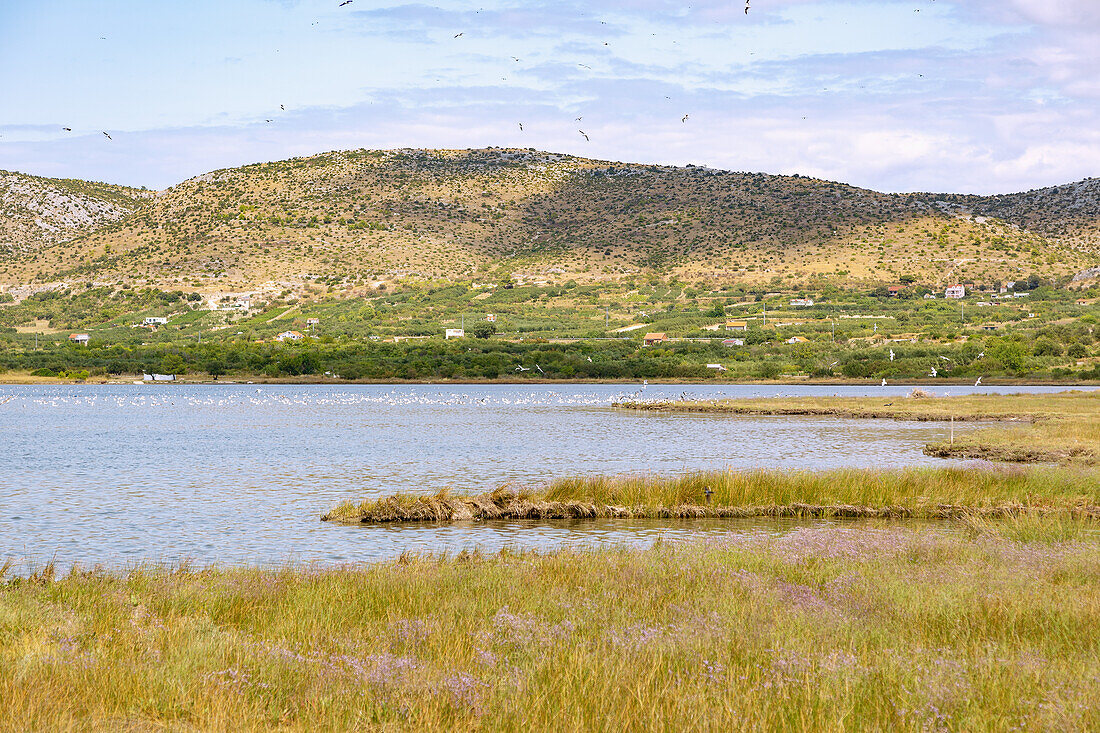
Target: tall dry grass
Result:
[942, 492]
[826, 628]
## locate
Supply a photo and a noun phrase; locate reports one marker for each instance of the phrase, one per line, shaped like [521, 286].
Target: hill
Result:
[357, 216]
[36, 212]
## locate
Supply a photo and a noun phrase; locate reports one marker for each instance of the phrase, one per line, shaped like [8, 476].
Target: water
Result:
[240, 473]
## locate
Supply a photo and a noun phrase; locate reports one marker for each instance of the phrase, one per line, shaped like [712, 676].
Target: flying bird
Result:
[585, 66]
[684, 118]
[267, 120]
[884, 381]
[346, 2]
[747, 7]
[282, 107]
[577, 119]
[585, 135]
[933, 372]
[891, 354]
[521, 127]
[978, 383]
[459, 34]
[106, 136]
[67, 129]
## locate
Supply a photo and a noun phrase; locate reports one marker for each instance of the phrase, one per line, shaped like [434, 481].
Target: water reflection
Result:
[240, 473]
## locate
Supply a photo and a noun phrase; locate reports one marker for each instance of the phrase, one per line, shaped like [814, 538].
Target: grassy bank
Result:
[1063, 427]
[923, 493]
[876, 628]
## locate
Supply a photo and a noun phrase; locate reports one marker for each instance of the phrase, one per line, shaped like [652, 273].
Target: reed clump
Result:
[912, 493]
[869, 627]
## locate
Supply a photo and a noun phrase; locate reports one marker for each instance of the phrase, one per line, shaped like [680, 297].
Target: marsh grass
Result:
[824, 628]
[1062, 427]
[927, 493]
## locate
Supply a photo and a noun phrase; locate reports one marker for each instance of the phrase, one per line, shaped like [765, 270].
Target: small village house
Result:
[798, 340]
[155, 321]
[654, 339]
[733, 342]
[79, 338]
[802, 302]
[955, 291]
[490, 318]
[290, 336]
[894, 290]
[454, 333]
[737, 325]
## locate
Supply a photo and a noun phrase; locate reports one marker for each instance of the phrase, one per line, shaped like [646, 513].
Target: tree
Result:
[483, 330]
[172, 364]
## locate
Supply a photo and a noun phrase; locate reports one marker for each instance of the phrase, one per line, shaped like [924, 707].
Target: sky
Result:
[976, 96]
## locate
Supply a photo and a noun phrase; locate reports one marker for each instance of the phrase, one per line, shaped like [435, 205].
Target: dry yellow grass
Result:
[1060, 427]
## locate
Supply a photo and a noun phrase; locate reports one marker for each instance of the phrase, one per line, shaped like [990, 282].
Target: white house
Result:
[80, 338]
[454, 333]
[955, 291]
[313, 321]
[155, 321]
[289, 336]
[491, 317]
[802, 302]
[717, 367]
[158, 378]
[733, 342]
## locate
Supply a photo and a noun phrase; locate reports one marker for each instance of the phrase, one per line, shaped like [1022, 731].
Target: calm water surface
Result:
[240, 473]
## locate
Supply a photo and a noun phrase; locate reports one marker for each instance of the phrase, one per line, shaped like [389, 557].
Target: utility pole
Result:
[607, 318]
[765, 314]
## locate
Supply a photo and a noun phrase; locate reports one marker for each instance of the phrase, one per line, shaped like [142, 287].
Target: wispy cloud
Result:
[974, 95]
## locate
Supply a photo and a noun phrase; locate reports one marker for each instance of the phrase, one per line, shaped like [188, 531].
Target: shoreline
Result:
[9, 381]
